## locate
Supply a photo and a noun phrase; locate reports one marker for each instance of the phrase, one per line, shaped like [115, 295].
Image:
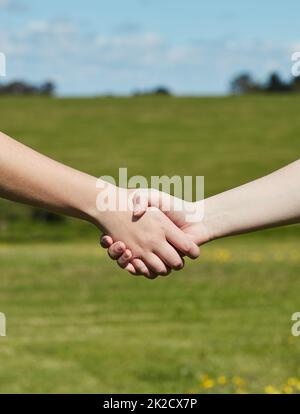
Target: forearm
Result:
[271, 201]
[31, 178]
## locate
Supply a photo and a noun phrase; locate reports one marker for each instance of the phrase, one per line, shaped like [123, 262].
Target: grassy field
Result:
[228, 140]
[76, 323]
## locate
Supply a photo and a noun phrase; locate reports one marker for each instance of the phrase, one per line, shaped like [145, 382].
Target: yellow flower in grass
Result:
[207, 382]
[238, 381]
[222, 380]
[269, 389]
[292, 382]
[287, 389]
[223, 256]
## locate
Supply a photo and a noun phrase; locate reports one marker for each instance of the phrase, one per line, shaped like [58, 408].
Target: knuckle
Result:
[194, 252]
[117, 247]
[187, 246]
[191, 249]
[150, 240]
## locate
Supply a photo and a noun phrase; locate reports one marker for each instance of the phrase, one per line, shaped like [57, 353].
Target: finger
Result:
[116, 250]
[155, 264]
[145, 198]
[106, 241]
[169, 256]
[125, 258]
[140, 267]
[182, 242]
[140, 202]
[131, 269]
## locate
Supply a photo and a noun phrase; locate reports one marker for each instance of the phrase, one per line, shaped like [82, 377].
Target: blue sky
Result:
[117, 46]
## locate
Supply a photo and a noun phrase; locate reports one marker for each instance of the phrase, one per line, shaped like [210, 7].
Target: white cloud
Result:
[142, 40]
[56, 27]
[295, 47]
[79, 60]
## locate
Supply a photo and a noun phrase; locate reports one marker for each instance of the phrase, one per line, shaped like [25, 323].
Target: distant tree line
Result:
[24, 88]
[245, 84]
[240, 85]
[158, 91]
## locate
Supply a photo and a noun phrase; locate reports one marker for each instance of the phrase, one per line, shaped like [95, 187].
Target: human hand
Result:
[179, 211]
[148, 241]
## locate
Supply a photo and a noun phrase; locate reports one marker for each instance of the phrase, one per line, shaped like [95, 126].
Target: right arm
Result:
[271, 201]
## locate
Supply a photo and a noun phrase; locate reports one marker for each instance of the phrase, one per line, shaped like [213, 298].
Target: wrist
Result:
[108, 199]
[214, 223]
[85, 200]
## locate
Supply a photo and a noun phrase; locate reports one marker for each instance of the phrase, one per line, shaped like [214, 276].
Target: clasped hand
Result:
[148, 241]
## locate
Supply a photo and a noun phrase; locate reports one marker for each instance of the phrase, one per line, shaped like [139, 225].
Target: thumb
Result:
[140, 202]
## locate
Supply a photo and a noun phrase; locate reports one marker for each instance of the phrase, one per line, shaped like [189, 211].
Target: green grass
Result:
[76, 323]
[228, 140]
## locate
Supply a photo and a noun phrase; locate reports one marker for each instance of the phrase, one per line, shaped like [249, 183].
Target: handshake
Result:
[151, 237]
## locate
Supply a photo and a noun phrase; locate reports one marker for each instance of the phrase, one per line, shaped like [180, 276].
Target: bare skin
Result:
[271, 201]
[31, 178]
